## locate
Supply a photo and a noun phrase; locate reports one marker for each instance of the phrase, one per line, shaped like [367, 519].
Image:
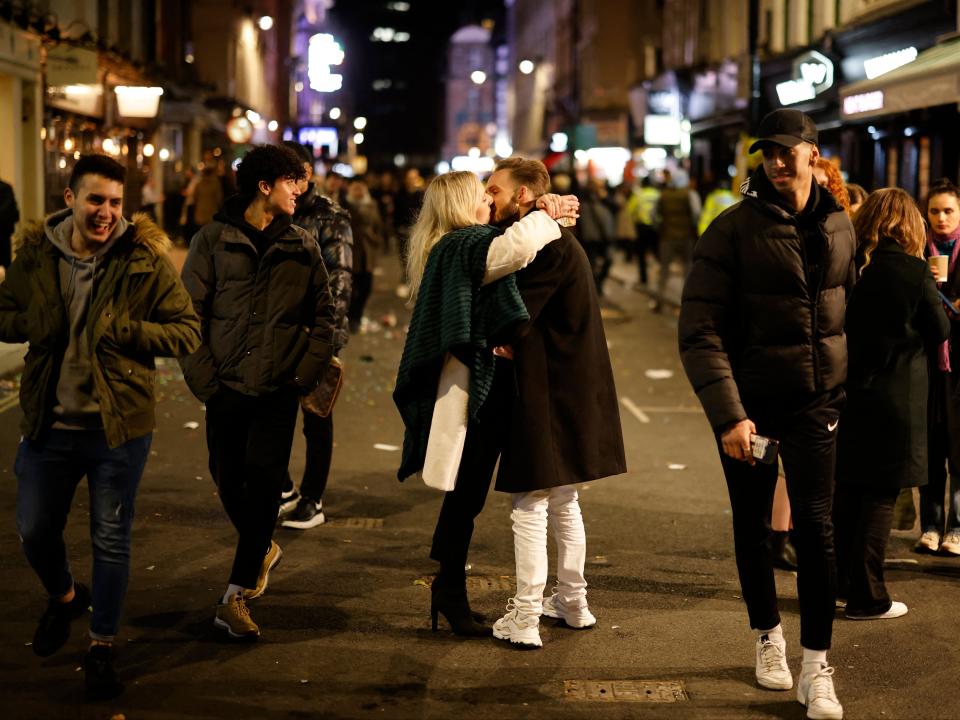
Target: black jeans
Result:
[360, 294]
[940, 497]
[451, 538]
[249, 440]
[808, 444]
[318, 432]
[863, 517]
[647, 242]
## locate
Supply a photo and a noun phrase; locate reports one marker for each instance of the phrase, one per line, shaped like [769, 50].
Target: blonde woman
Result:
[895, 323]
[452, 391]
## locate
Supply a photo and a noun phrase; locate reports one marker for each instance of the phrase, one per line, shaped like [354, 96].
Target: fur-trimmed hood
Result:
[146, 233]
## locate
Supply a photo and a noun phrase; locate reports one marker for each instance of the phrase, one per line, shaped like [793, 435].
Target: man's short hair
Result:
[96, 164]
[531, 173]
[267, 163]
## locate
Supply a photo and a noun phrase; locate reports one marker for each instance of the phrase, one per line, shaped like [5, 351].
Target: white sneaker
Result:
[928, 542]
[815, 691]
[897, 609]
[577, 615]
[951, 542]
[519, 629]
[772, 670]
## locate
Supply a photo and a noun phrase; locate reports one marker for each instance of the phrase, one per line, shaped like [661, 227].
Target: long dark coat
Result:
[895, 321]
[565, 423]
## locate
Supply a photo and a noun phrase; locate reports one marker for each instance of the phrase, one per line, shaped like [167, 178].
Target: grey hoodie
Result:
[78, 407]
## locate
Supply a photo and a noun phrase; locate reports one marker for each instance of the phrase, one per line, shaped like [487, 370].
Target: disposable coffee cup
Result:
[940, 265]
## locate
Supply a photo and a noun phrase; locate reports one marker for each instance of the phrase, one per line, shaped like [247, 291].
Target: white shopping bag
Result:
[448, 429]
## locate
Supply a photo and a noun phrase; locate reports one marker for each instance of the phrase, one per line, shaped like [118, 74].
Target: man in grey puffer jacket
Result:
[761, 339]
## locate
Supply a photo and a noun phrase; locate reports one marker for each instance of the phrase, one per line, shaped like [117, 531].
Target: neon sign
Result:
[323, 51]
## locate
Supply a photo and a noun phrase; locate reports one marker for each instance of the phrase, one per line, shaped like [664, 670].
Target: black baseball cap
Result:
[786, 127]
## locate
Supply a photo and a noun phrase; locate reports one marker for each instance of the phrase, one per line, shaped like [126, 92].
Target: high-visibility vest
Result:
[642, 205]
[717, 201]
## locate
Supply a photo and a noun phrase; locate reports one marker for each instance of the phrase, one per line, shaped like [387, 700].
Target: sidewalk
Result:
[626, 273]
[11, 358]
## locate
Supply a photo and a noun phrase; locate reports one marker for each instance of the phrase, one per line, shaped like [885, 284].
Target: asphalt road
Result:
[345, 620]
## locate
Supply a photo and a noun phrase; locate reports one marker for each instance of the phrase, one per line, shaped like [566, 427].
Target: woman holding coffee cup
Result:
[940, 519]
[895, 323]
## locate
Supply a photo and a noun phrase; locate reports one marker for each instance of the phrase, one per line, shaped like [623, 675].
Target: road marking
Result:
[634, 410]
[9, 403]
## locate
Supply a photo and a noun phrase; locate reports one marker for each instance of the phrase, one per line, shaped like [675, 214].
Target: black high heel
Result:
[455, 607]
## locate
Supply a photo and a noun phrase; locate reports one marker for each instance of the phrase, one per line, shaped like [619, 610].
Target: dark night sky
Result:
[408, 117]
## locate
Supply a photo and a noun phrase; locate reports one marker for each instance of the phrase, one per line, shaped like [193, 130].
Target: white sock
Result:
[774, 634]
[231, 591]
[813, 660]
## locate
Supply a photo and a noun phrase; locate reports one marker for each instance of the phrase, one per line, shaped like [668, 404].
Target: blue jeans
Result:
[48, 472]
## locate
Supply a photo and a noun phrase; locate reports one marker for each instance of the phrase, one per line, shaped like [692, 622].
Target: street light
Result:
[360, 123]
[148, 150]
[358, 138]
[478, 77]
[334, 113]
[273, 125]
[526, 66]
[265, 22]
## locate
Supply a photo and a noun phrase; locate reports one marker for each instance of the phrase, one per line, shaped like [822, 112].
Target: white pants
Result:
[531, 512]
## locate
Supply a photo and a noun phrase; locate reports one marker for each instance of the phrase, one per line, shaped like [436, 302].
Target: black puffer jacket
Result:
[763, 307]
[329, 224]
[267, 320]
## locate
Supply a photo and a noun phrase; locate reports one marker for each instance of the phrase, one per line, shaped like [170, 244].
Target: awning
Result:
[932, 79]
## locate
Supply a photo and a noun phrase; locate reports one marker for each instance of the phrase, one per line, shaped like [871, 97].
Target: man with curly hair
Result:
[260, 287]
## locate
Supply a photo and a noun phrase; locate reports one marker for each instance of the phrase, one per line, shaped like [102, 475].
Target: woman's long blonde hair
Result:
[449, 203]
[888, 213]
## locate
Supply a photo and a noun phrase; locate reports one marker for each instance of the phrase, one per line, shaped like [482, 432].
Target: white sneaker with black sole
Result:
[305, 515]
[773, 672]
[815, 691]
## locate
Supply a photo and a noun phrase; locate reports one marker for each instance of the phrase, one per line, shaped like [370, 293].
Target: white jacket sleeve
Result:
[519, 244]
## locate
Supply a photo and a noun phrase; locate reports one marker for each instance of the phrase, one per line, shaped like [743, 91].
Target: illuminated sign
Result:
[323, 51]
[661, 130]
[136, 101]
[882, 64]
[812, 75]
[864, 102]
[320, 136]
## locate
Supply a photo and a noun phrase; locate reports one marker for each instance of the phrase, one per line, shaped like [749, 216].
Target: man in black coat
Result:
[565, 421]
[762, 342]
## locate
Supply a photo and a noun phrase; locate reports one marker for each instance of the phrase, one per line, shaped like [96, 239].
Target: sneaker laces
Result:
[516, 615]
[821, 686]
[240, 605]
[952, 537]
[771, 656]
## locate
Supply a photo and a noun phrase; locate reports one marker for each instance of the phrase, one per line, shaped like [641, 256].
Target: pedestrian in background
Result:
[453, 393]
[9, 217]
[97, 299]
[940, 498]
[563, 425]
[857, 195]
[828, 176]
[895, 324]
[718, 200]
[678, 210]
[301, 508]
[762, 342]
[643, 206]
[260, 288]
[406, 204]
[596, 231]
[367, 227]
[207, 196]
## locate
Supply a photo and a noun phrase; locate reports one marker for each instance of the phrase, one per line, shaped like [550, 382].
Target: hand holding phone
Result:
[764, 449]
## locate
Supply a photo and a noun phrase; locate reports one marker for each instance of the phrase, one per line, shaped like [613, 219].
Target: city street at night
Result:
[346, 627]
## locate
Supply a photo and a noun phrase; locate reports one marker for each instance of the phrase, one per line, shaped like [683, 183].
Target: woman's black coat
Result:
[895, 323]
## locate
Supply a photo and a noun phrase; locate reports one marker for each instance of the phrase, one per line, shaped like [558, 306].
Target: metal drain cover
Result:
[648, 691]
[360, 523]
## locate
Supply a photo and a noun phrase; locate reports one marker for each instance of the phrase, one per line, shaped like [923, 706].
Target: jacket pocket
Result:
[289, 344]
[132, 386]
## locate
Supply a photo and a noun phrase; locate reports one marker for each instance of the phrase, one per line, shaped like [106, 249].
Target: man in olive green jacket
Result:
[97, 298]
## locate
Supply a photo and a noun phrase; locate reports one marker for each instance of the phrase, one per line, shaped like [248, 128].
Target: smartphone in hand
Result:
[764, 449]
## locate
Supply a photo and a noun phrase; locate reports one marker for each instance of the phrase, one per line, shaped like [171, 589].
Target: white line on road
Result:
[634, 410]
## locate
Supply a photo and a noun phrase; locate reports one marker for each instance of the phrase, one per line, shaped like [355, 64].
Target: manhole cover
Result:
[357, 523]
[652, 691]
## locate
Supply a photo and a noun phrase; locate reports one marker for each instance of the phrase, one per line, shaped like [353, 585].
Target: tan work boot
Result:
[234, 617]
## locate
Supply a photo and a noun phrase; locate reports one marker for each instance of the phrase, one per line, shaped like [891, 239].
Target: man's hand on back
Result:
[559, 205]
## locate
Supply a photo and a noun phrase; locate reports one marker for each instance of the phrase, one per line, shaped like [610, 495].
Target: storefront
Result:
[21, 113]
[900, 104]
